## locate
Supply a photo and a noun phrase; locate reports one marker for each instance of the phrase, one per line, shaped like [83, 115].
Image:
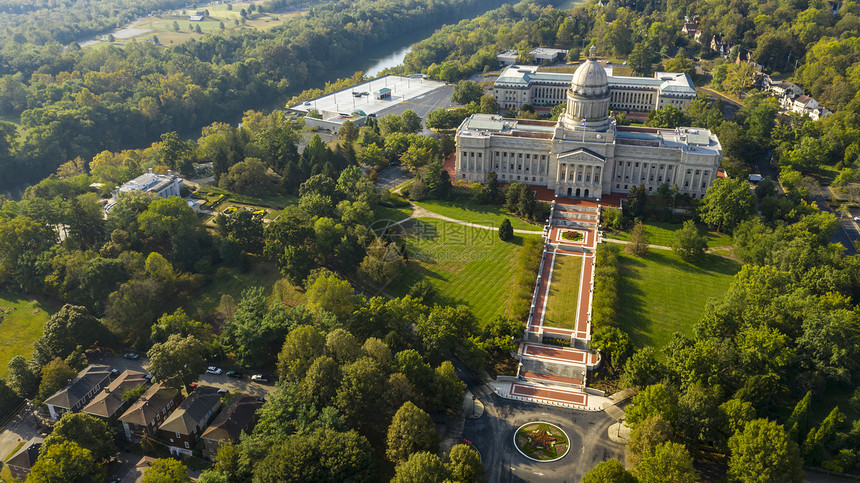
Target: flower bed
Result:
[572, 235]
[558, 341]
[541, 441]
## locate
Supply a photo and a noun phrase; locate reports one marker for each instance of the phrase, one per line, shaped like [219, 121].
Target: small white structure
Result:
[784, 88]
[164, 185]
[542, 54]
[384, 93]
[507, 57]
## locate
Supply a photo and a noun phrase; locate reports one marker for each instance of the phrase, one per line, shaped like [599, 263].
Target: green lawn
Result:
[563, 292]
[660, 233]
[232, 282]
[467, 266]
[662, 294]
[21, 326]
[278, 202]
[393, 214]
[471, 212]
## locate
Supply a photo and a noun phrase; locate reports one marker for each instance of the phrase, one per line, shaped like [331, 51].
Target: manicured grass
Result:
[564, 292]
[469, 211]
[660, 233]
[662, 294]
[232, 282]
[278, 202]
[20, 327]
[467, 266]
[393, 214]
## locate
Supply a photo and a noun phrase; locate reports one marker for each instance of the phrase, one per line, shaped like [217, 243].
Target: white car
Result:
[259, 378]
[857, 218]
[213, 370]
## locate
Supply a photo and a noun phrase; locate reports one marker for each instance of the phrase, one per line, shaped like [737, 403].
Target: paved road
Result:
[492, 434]
[729, 106]
[392, 176]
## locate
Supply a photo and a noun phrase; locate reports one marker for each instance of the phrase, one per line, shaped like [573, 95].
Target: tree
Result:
[249, 177]
[321, 381]
[383, 263]
[348, 132]
[411, 121]
[87, 431]
[667, 117]
[655, 399]
[68, 328]
[642, 58]
[177, 362]
[358, 395]
[687, 242]
[447, 389]
[643, 369]
[66, 462]
[609, 471]
[302, 345]
[243, 226]
[323, 455]
[410, 431]
[423, 467]
[671, 462]
[166, 470]
[331, 294]
[506, 231]
[55, 375]
[489, 105]
[464, 464]
[638, 241]
[650, 434]
[467, 91]
[22, 379]
[763, 452]
[727, 203]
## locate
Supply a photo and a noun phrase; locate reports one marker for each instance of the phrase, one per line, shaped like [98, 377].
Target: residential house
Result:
[689, 29]
[183, 427]
[79, 392]
[23, 460]
[163, 185]
[805, 105]
[239, 415]
[108, 403]
[145, 416]
[721, 46]
[783, 89]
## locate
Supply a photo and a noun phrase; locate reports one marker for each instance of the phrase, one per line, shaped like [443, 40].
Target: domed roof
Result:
[590, 80]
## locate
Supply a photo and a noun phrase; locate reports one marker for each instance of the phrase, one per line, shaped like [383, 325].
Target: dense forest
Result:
[77, 102]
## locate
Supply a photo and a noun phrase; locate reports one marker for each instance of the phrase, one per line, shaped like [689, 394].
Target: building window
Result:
[186, 444]
[625, 186]
[618, 186]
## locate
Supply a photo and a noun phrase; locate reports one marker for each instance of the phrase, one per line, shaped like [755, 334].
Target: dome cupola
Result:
[588, 97]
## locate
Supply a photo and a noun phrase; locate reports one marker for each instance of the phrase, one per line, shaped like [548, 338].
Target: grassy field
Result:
[278, 202]
[232, 282]
[467, 266]
[21, 326]
[469, 211]
[662, 294]
[662, 234]
[564, 292]
[162, 25]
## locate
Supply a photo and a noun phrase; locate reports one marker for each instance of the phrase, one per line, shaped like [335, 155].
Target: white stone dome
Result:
[590, 80]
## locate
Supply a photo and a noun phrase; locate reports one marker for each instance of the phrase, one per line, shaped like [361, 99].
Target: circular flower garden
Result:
[540, 441]
[571, 235]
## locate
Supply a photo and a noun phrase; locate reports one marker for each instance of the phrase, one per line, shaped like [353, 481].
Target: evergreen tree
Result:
[506, 231]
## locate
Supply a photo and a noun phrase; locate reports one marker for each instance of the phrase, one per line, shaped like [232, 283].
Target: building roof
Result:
[383, 90]
[195, 18]
[804, 99]
[149, 404]
[80, 386]
[150, 181]
[677, 83]
[193, 411]
[507, 54]
[547, 52]
[28, 454]
[234, 418]
[107, 402]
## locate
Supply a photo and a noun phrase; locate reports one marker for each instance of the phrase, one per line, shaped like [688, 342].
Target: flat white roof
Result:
[344, 102]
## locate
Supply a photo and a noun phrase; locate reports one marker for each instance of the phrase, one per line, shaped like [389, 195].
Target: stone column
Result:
[557, 175]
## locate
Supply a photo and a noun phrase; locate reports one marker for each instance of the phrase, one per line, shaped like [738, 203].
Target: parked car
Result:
[260, 378]
[222, 391]
[131, 355]
[213, 370]
[857, 218]
[236, 374]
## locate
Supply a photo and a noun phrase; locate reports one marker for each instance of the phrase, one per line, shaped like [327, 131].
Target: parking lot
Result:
[392, 176]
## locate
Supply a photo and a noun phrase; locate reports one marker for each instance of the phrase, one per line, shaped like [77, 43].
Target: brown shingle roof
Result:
[145, 409]
[28, 454]
[193, 411]
[80, 386]
[234, 418]
[107, 402]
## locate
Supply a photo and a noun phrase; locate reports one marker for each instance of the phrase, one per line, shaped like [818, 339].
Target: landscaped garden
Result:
[472, 212]
[661, 293]
[571, 235]
[563, 297]
[21, 321]
[662, 234]
[542, 441]
[216, 196]
[468, 266]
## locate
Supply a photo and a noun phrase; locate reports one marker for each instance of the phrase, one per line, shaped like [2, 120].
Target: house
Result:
[183, 427]
[783, 89]
[22, 461]
[720, 46]
[689, 29]
[239, 415]
[745, 56]
[163, 185]
[543, 54]
[79, 392]
[145, 416]
[507, 57]
[108, 403]
[195, 18]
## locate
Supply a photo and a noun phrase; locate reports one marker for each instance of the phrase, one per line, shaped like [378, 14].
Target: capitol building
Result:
[584, 154]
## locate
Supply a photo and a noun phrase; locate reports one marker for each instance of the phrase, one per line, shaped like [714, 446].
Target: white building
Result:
[584, 154]
[518, 85]
[164, 185]
[507, 57]
[544, 54]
